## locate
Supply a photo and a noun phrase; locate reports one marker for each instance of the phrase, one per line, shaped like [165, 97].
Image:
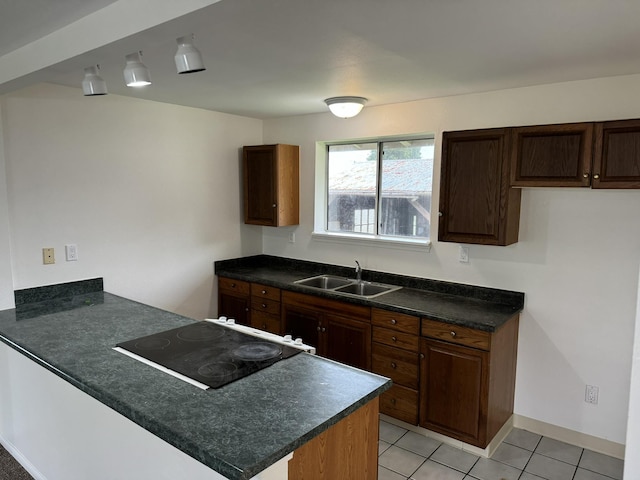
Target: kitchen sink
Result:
[325, 282]
[346, 286]
[364, 289]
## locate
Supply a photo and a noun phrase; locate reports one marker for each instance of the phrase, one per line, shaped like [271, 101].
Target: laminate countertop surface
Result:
[480, 308]
[237, 430]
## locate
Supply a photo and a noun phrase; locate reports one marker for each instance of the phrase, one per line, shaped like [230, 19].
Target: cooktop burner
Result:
[209, 353]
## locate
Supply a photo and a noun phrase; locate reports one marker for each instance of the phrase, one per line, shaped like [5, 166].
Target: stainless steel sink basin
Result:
[325, 282]
[364, 289]
[347, 286]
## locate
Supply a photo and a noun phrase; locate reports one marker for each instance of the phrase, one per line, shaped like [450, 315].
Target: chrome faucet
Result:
[358, 272]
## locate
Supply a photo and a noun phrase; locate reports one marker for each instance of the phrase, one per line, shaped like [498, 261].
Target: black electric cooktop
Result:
[211, 354]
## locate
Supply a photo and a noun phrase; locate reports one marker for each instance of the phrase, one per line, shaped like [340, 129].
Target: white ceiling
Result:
[270, 58]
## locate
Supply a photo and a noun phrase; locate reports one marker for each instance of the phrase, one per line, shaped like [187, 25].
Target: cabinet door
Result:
[259, 173]
[453, 390]
[476, 203]
[616, 160]
[347, 341]
[232, 305]
[303, 323]
[552, 155]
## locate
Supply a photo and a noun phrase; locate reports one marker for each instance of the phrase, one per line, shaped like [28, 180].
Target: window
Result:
[380, 189]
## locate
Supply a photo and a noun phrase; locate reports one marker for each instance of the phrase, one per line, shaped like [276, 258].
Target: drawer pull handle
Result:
[393, 321]
[393, 365]
[453, 334]
[394, 338]
[264, 292]
[596, 176]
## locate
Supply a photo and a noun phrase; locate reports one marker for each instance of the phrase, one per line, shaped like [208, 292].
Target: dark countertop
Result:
[476, 307]
[238, 430]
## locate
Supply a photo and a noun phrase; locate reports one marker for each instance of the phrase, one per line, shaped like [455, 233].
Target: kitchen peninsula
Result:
[238, 432]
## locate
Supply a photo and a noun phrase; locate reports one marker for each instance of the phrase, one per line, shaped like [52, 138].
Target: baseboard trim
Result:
[600, 445]
[26, 464]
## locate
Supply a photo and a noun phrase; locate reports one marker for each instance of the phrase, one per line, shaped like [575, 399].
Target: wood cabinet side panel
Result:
[288, 184]
[502, 376]
[346, 451]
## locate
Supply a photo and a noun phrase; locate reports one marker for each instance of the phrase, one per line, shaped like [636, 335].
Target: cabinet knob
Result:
[393, 365]
[394, 339]
[318, 328]
[393, 321]
[596, 176]
[274, 205]
[422, 355]
[264, 305]
[324, 329]
[264, 292]
[233, 285]
[440, 214]
[585, 175]
[264, 326]
[453, 334]
[393, 401]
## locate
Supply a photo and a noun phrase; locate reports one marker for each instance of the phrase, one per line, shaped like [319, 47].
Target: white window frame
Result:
[320, 216]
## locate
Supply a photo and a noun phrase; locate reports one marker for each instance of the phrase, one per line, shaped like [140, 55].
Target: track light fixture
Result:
[93, 84]
[136, 74]
[345, 107]
[188, 58]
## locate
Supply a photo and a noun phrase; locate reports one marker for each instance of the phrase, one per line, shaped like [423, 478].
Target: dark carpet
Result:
[10, 469]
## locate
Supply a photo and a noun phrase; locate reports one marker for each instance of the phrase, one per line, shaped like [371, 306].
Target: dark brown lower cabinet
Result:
[339, 331]
[234, 300]
[467, 380]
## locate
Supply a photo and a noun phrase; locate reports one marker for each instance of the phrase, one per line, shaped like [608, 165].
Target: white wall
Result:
[149, 192]
[6, 280]
[576, 259]
[632, 462]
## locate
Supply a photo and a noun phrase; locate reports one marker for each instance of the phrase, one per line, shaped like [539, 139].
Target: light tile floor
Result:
[523, 455]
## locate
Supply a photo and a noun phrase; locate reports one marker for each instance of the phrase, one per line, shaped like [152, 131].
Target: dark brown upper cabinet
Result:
[616, 156]
[477, 204]
[552, 155]
[271, 185]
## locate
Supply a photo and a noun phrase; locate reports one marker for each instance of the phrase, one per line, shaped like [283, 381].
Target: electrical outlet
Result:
[292, 237]
[591, 394]
[71, 252]
[463, 254]
[48, 257]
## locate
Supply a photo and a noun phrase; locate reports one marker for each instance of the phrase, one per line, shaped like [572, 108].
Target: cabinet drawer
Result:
[456, 334]
[399, 365]
[266, 322]
[397, 321]
[264, 305]
[401, 403]
[396, 339]
[234, 285]
[263, 291]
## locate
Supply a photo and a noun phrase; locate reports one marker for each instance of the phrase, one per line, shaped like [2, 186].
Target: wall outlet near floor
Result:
[591, 394]
[48, 257]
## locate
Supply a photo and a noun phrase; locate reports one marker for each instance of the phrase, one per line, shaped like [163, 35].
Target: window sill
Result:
[373, 241]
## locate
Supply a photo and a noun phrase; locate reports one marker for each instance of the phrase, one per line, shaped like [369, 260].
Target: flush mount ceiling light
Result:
[345, 107]
[136, 74]
[188, 58]
[93, 84]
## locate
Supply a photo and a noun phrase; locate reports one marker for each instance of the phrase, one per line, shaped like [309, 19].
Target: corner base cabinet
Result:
[467, 380]
[271, 179]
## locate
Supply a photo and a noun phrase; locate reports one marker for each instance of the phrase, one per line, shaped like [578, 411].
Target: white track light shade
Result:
[135, 72]
[345, 107]
[93, 84]
[188, 59]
